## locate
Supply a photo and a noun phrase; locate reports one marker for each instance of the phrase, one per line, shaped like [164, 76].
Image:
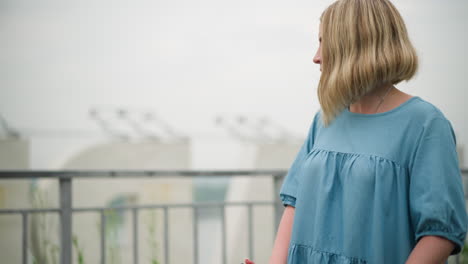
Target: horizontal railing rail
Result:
[18, 174]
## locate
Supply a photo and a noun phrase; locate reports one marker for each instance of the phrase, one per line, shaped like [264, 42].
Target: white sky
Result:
[190, 60]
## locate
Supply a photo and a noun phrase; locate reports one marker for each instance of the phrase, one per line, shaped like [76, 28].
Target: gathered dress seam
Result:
[359, 154]
[327, 252]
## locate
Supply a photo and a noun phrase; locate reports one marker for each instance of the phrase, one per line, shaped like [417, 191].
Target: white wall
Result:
[144, 155]
[14, 155]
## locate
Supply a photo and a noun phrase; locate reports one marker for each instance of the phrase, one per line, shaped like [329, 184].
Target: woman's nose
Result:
[317, 59]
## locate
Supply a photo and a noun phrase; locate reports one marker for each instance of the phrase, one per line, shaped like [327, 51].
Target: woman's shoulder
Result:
[422, 112]
[427, 121]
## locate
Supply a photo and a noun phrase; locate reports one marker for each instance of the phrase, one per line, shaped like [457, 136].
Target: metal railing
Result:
[65, 210]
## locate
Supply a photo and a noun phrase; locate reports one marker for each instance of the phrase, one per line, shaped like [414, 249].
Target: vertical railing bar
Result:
[103, 237]
[25, 231]
[250, 230]
[135, 235]
[277, 203]
[223, 234]
[166, 235]
[65, 220]
[195, 235]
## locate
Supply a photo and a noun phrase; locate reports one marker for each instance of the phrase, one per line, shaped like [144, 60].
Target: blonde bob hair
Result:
[365, 45]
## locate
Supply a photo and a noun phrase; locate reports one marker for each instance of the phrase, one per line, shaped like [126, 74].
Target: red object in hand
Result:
[248, 261]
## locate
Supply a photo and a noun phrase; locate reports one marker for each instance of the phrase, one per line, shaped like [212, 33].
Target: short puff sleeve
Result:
[288, 192]
[437, 203]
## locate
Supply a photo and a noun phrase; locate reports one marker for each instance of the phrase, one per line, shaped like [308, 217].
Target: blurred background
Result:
[178, 85]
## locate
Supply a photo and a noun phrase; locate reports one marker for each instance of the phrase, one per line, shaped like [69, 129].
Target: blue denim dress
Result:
[367, 187]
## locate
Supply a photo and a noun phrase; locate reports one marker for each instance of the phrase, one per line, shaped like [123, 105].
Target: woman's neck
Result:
[380, 100]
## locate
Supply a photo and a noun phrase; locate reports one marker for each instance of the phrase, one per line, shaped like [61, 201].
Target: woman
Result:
[377, 179]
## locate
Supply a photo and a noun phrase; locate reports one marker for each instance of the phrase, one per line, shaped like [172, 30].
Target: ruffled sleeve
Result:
[437, 203]
[289, 188]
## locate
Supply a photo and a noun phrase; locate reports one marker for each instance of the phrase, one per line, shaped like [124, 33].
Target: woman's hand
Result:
[248, 261]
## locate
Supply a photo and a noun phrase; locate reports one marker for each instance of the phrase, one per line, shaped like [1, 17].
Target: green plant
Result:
[114, 225]
[42, 247]
[464, 255]
[152, 237]
[79, 251]
[43, 225]
[114, 222]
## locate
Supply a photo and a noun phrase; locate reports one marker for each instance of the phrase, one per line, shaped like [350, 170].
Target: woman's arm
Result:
[283, 236]
[431, 250]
